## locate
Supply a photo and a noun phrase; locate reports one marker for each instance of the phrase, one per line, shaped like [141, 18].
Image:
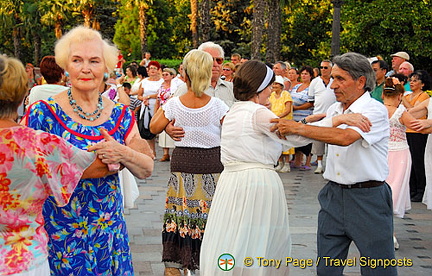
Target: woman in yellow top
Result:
[281, 105]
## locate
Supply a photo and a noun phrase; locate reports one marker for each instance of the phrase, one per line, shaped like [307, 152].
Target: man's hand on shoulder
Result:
[176, 133]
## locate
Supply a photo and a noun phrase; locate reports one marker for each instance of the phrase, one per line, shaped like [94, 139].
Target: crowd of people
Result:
[232, 127]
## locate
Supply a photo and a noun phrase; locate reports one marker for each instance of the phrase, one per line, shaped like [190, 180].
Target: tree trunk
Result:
[58, 30]
[16, 42]
[96, 25]
[205, 20]
[194, 22]
[143, 29]
[257, 28]
[274, 31]
[37, 48]
[16, 33]
[335, 44]
[87, 14]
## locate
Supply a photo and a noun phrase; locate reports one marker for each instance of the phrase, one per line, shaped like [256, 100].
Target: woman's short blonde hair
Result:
[197, 66]
[82, 34]
[13, 85]
[172, 71]
[230, 65]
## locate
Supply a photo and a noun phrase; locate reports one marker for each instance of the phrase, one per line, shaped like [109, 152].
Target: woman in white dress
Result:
[148, 93]
[249, 213]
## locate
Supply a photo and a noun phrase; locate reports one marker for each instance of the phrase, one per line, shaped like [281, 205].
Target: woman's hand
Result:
[422, 126]
[353, 119]
[135, 156]
[109, 151]
[283, 127]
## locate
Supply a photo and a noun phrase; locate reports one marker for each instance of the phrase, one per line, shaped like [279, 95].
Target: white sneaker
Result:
[286, 168]
[319, 170]
[279, 166]
[395, 242]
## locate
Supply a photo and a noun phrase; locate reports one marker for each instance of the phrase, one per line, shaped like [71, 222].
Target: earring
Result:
[66, 73]
[106, 76]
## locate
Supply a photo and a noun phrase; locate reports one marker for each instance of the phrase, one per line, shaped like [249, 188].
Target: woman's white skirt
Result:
[427, 196]
[165, 141]
[248, 219]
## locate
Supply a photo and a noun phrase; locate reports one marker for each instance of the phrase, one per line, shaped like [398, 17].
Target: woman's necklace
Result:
[86, 115]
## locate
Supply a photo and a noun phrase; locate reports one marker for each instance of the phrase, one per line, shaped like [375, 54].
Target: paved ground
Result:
[144, 222]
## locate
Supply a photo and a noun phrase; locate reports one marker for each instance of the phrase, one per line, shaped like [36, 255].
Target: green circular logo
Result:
[226, 262]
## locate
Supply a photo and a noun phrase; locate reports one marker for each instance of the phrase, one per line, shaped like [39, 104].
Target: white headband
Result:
[266, 80]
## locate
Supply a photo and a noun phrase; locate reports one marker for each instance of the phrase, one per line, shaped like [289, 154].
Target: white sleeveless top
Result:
[201, 125]
[397, 140]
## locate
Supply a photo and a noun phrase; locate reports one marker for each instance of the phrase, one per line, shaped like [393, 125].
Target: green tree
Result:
[384, 27]
[306, 36]
[161, 20]
[232, 26]
[11, 13]
[142, 7]
[55, 13]
[32, 19]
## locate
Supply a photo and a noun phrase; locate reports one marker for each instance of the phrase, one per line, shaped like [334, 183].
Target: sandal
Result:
[295, 167]
[305, 168]
[165, 158]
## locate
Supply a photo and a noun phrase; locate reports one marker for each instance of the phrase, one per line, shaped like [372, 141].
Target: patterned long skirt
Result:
[187, 206]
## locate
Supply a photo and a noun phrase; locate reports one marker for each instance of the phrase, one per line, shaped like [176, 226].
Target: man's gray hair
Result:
[411, 67]
[357, 65]
[212, 45]
[328, 61]
[282, 64]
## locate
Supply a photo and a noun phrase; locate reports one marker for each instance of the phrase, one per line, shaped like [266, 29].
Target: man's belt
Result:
[365, 184]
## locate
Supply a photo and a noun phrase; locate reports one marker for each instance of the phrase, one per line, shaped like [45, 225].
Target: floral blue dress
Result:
[88, 236]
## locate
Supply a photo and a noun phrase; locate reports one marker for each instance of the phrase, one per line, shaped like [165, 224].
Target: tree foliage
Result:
[29, 28]
[384, 27]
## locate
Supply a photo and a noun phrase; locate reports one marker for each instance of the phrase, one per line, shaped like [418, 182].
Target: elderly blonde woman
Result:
[89, 234]
[33, 165]
[195, 163]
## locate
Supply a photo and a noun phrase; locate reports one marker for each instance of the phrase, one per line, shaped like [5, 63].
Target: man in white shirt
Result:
[356, 204]
[322, 96]
[218, 88]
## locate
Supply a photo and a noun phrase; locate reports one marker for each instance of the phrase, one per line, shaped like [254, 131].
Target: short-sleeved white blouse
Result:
[201, 125]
